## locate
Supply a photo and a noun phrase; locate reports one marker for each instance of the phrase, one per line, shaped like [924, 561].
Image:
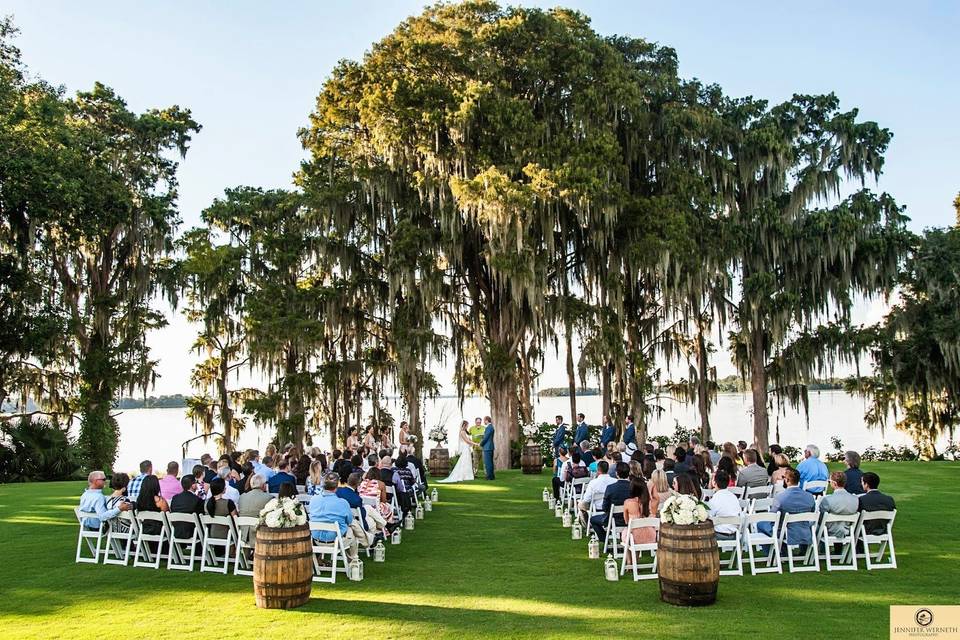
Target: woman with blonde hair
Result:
[314, 483]
[782, 463]
[659, 489]
[270, 451]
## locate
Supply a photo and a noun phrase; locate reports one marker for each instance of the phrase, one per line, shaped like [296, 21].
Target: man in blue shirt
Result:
[630, 433]
[93, 501]
[583, 431]
[559, 436]
[263, 469]
[792, 500]
[811, 468]
[280, 477]
[133, 489]
[327, 507]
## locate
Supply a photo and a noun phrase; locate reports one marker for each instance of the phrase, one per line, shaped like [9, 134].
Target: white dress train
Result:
[463, 470]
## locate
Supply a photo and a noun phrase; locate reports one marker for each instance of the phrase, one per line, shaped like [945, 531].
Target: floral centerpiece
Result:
[683, 510]
[438, 434]
[411, 439]
[283, 513]
[530, 430]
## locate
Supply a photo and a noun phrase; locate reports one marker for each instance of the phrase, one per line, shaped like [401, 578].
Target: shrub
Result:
[33, 450]
[889, 454]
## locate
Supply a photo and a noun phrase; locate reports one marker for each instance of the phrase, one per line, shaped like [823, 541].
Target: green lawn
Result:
[489, 561]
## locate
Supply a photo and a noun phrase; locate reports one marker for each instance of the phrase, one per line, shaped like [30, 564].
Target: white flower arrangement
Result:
[438, 434]
[683, 509]
[283, 513]
[411, 439]
[530, 429]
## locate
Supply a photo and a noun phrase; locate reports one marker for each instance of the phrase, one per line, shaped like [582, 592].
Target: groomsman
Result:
[608, 434]
[583, 431]
[630, 433]
[559, 436]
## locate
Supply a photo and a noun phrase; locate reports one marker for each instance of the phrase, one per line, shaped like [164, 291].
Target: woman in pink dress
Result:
[638, 506]
[373, 487]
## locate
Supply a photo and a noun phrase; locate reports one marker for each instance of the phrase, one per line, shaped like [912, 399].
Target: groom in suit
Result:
[583, 431]
[630, 433]
[487, 445]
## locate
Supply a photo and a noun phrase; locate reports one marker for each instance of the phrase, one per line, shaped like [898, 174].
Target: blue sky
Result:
[250, 72]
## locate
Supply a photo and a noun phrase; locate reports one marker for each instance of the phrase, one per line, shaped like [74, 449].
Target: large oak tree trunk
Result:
[571, 373]
[605, 389]
[758, 387]
[703, 387]
[413, 409]
[226, 413]
[295, 413]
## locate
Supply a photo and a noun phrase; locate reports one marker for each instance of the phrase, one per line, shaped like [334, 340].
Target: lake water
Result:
[157, 434]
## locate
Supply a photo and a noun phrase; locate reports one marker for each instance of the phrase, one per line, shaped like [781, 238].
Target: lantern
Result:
[610, 569]
[546, 495]
[434, 496]
[567, 518]
[577, 531]
[379, 552]
[551, 503]
[395, 538]
[558, 510]
[428, 504]
[355, 570]
[593, 547]
[408, 522]
[419, 512]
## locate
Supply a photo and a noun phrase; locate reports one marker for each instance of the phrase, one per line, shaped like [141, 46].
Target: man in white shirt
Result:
[228, 492]
[723, 503]
[593, 493]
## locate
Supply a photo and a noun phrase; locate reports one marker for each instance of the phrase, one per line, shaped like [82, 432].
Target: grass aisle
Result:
[489, 561]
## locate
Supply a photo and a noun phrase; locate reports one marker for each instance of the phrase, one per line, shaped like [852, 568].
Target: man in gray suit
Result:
[252, 502]
[840, 502]
[752, 475]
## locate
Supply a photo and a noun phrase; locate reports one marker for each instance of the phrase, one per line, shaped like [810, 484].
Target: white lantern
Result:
[395, 538]
[546, 495]
[434, 496]
[419, 512]
[577, 531]
[379, 552]
[558, 510]
[408, 522]
[355, 570]
[610, 569]
[567, 518]
[593, 547]
[551, 503]
[428, 504]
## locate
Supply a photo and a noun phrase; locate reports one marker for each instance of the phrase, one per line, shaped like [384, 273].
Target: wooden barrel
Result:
[282, 567]
[688, 562]
[439, 463]
[530, 460]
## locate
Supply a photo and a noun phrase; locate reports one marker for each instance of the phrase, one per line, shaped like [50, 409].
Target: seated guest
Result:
[209, 467]
[752, 474]
[615, 458]
[372, 522]
[811, 468]
[638, 506]
[118, 483]
[593, 493]
[327, 507]
[595, 454]
[170, 483]
[263, 468]
[386, 470]
[373, 487]
[723, 504]
[219, 505]
[698, 471]
[93, 501]
[281, 476]
[230, 491]
[151, 500]
[774, 450]
[314, 483]
[246, 472]
[781, 464]
[559, 470]
[404, 484]
[636, 469]
[840, 502]
[613, 496]
[668, 464]
[648, 453]
[345, 471]
[338, 459]
[659, 457]
[586, 454]
[729, 450]
[252, 502]
[287, 490]
[683, 484]
[186, 502]
[741, 447]
[201, 488]
[575, 468]
[873, 500]
[133, 489]
[792, 500]
[714, 454]
[416, 462]
[302, 469]
[659, 490]
[853, 473]
[727, 464]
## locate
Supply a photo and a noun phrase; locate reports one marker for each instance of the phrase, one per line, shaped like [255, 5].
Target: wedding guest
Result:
[133, 489]
[752, 474]
[840, 502]
[170, 484]
[773, 451]
[614, 495]
[339, 458]
[597, 456]
[668, 464]
[386, 470]
[314, 482]
[302, 469]
[730, 466]
[781, 464]
[698, 472]
[149, 499]
[741, 447]
[854, 476]
[683, 484]
[348, 491]
[873, 500]
[287, 490]
[659, 489]
[559, 471]
[586, 454]
[729, 450]
[209, 467]
[282, 475]
[186, 502]
[201, 488]
[119, 483]
[403, 484]
[593, 493]
[723, 503]
[638, 506]
[421, 471]
[219, 505]
[263, 468]
[353, 442]
[93, 501]
[229, 491]
[811, 468]
[270, 452]
[329, 508]
[792, 500]
[714, 454]
[373, 487]
[246, 472]
[252, 503]
[575, 468]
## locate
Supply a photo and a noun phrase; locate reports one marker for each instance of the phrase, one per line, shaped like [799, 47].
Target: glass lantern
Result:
[355, 569]
[558, 510]
[395, 538]
[434, 496]
[593, 547]
[428, 504]
[379, 552]
[551, 503]
[408, 522]
[577, 532]
[419, 512]
[567, 518]
[610, 569]
[546, 495]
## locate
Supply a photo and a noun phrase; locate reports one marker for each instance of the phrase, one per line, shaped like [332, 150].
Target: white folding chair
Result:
[246, 526]
[707, 494]
[301, 489]
[811, 559]
[304, 499]
[635, 550]
[183, 548]
[734, 564]
[577, 487]
[612, 537]
[761, 505]
[759, 492]
[371, 502]
[335, 549]
[883, 539]
[745, 505]
[145, 556]
[847, 542]
[210, 560]
[88, 536]
[753, 538]
[737, 491]
[121, 537]
[392, 495]
[819, 486]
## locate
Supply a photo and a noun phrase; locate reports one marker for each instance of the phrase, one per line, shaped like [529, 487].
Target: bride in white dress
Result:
[464, 446]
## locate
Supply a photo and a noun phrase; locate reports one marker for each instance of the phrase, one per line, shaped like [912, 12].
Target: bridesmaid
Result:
[369, 440]
[386, 439]
[403, 438]
[353, 442]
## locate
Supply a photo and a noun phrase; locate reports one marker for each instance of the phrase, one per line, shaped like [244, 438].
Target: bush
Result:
[794, 454]
[35, 450]
[889, 454]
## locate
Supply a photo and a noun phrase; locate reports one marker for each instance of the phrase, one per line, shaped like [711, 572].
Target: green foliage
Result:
[36, 450]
